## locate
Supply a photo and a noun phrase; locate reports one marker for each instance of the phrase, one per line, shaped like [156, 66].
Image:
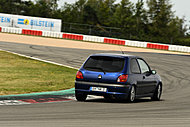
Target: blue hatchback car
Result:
[117, 76]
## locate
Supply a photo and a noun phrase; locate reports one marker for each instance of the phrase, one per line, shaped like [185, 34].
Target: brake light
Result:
[79, 75]
[122, 78]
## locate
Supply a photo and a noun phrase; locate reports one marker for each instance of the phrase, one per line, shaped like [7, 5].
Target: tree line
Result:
[150, 20]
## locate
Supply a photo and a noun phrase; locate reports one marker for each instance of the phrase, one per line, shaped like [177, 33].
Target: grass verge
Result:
[19, 75]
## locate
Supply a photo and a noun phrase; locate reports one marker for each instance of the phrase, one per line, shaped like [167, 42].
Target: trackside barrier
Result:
[188, 49]
[73, 36]
[114, 41]
[15, 30]
[52, 34]
[93, 38]
[46, 33]
[136, 43]
[56, 34]
[11, 30]
[32, 32]
[179, 48]
[4, 29]
[172, 47]
[157, 46]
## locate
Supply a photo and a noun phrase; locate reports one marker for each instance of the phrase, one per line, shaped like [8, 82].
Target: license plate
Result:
[99, 89]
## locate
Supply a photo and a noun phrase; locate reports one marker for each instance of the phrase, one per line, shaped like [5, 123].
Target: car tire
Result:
[132, 94]
[80, 96]
[107, 97]
[157, 94]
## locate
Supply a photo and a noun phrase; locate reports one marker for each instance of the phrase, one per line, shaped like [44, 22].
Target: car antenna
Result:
[121, 50]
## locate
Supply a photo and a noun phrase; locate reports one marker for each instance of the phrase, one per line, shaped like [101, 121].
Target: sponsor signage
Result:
[28, 22]
[5, 19]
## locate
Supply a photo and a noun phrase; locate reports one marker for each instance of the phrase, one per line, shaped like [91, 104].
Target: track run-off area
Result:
[172, 111]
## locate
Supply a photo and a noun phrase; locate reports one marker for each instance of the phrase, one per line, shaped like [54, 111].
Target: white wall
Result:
[28, 22]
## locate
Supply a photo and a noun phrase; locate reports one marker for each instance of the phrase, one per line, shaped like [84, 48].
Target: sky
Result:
[181, 7]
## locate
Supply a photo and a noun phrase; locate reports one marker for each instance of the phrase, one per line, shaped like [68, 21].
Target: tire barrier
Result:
[114, 41]
[73, 37]
[11, 30]
[136, 43]
[157, 46]
[56, 34]
[46, 33]
[179, 48]
[188, 49]
[31, 32]
[52, 34]
[95, 39]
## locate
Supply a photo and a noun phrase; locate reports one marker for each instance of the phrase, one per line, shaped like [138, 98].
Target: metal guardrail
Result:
[95, 30]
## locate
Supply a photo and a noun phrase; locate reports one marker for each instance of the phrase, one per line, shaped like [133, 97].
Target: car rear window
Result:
[104, 64]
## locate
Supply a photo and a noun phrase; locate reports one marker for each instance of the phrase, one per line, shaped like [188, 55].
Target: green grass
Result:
[20, 75]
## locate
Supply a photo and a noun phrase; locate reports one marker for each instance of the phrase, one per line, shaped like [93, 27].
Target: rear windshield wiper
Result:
[97, 68]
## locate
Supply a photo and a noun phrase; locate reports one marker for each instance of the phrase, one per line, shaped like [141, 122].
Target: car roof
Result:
[115, 55]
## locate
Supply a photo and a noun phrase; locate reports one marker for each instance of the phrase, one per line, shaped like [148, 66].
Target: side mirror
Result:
[154, 72]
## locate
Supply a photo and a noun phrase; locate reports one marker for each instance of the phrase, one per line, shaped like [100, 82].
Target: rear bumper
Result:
[112, 89]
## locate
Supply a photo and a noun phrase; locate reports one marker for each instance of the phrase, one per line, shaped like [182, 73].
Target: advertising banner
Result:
[28, 22]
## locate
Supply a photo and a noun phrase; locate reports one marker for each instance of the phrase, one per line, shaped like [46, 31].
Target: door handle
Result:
[144, 77]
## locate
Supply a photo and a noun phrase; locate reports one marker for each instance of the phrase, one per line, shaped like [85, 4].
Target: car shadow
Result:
[102, 100]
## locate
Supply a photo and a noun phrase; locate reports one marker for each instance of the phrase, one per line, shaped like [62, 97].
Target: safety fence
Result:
[89, 38]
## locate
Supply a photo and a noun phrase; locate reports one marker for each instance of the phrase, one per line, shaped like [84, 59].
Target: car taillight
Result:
[122, 78]
[79, 75]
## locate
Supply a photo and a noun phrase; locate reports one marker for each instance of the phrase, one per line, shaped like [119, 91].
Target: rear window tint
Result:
[104, 63]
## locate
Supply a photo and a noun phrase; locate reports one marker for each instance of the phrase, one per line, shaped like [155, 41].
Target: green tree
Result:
[177, 30]
[78, 10]
[43, 8]
[26, 8]
[141, 20]
[10, 6]
[74, 12]
[105, 11]
[123, 17]
[90, 15]
[160, 16]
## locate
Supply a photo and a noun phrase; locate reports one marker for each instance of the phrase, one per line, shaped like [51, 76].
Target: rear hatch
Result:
[103, 69]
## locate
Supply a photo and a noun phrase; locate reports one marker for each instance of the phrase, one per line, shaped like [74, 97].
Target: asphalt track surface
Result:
[172, 111]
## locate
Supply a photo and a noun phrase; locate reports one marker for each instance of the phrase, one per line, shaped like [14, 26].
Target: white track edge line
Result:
[38, 59]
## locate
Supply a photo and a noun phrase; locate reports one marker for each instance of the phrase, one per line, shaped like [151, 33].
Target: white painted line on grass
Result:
[38, 59]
